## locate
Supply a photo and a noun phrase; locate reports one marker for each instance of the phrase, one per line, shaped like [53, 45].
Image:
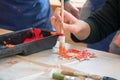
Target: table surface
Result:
[105, 64]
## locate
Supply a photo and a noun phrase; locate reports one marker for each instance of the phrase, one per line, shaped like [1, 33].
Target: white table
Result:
[105, 64]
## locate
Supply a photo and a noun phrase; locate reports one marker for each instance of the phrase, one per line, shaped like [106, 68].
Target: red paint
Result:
[62, 34]
[37, 35]
[80, 55]
[12, 62]
[62, 49]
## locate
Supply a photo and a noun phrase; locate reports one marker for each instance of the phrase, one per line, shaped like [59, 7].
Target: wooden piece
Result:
[79, 73]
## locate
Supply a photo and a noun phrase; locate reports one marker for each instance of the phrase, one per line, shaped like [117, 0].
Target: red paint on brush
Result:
[62, 34]
[62, 50]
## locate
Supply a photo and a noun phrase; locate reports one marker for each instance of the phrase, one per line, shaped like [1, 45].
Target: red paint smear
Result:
[12, 62]
[80, 55]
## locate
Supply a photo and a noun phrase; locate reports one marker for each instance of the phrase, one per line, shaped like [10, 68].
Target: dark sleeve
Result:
[103, 22]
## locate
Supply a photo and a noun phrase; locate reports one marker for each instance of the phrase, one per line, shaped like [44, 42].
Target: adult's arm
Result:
[103, 22]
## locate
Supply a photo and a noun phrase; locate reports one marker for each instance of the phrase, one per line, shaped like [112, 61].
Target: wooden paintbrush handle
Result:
[62, 14]
[76, 73]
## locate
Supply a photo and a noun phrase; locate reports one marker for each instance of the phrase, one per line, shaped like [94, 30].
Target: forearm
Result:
[83, 31]
[101, 23]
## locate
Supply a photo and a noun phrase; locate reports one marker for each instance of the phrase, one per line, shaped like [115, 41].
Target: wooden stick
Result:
[62, 14]
[62, 10]
[72, 72]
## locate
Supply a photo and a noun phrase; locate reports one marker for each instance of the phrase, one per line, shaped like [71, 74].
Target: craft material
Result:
[34, 34]
[78, 54]
[87, 75]
[62, 47]
[26, 41]
[59, 76]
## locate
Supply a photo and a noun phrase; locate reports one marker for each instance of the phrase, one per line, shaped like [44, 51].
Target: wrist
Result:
[82, 31]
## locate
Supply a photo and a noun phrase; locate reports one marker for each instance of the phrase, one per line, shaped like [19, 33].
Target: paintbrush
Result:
[62, 48]
[87, 75]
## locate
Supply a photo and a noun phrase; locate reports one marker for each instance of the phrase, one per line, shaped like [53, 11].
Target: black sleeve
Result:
[103, 22]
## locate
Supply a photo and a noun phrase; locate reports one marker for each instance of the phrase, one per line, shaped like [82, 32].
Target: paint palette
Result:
[27, 41]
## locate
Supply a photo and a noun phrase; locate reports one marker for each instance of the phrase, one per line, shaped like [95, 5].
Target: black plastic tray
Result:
[17, 38]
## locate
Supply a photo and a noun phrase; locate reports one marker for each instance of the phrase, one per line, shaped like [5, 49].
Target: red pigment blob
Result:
[80, 55]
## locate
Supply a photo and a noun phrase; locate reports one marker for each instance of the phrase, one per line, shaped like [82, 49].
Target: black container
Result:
[17, 39]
